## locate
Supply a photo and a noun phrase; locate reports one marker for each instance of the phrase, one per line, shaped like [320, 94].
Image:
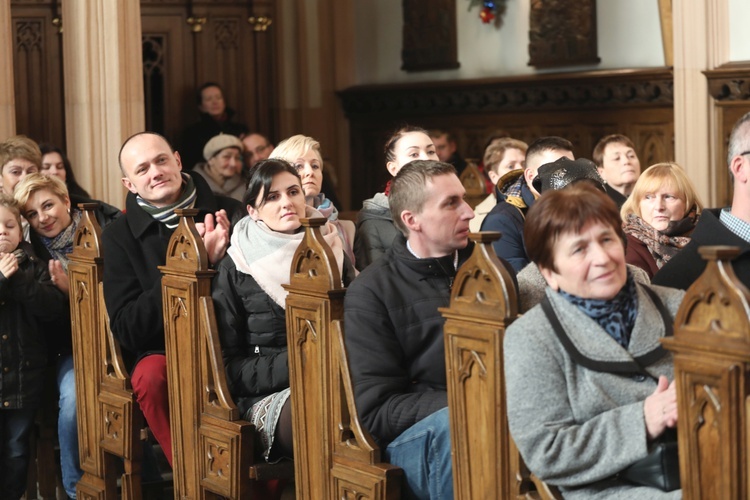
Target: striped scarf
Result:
[166, 215]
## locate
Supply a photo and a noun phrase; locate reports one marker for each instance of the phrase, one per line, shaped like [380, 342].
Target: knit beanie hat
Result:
[219, 142]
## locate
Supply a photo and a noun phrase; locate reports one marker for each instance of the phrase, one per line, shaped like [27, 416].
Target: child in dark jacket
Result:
[27, 296]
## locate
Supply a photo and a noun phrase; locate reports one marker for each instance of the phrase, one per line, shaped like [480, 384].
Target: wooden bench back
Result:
[334, 457]
[486, 462]
[473, 181]
[711, 347]
[109, 419]
[212, 447]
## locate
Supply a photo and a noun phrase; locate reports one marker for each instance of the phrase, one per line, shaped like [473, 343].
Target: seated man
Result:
[518, 195]
[445, 147]
[257, 147]
[394, 331]
[135, 245]
[719, 226]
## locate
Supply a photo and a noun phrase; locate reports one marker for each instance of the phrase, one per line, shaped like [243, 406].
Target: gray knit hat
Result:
[219, 142]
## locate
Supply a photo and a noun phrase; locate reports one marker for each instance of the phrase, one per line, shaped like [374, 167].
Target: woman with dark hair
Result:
[250, 300]
[587, 381]
[375, 229]
[53, 219]
[55, 162]
[618, 165]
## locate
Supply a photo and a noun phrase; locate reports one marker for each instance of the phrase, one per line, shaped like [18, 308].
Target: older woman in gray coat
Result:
[589, 387]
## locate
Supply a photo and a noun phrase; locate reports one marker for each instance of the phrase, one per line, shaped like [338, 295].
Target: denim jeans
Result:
[423, 451]
[15, 427]
[67, 425]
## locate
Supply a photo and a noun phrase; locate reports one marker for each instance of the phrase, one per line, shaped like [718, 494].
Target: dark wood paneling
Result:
[429, 35]
[38, 71]
[582, 107]
[729, 85]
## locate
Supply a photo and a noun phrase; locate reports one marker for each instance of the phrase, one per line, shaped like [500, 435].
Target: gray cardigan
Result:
[576, 427]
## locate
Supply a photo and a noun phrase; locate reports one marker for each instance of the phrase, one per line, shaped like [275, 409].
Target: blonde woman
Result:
[659, 216]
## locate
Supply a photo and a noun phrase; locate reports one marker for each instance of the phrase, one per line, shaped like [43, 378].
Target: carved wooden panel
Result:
[729, 85]
[38, 70]
[429, 35]
[582, 108]
[562, 33]
[711, 347]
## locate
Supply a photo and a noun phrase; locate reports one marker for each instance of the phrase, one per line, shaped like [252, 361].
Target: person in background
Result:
[396, 349]
[135, 245]
[250, 300]
[46, 205]
[719, 226]
[54, 162]
[445, 147]
[223, 167]
[501, 156]
[19, 157]
[618, 165]
[375, 228]
[518, 194]
[587, 381]
[257, 147]
[659, 216]
[216, 118]
[304, 154]
[27, 298]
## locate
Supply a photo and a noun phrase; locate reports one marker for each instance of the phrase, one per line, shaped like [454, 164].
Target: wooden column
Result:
[7, 94]
[103, 89]
[701, 41]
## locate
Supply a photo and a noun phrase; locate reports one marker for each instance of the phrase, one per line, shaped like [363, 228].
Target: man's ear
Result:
[179, 160]
[550, 277]
[740, 174]
[253, 213]
[410, 220]
[129, 185]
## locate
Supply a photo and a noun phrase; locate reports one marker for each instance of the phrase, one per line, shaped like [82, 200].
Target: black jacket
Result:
[62, 342]
[26, 298]
[684, 268]
[375, 231]
[394, 338]
[133, 248]
[195, 137]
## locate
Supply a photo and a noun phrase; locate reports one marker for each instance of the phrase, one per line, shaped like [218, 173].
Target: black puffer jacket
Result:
[252, 332]
[394, 338]
[375, 231]
[26, 298]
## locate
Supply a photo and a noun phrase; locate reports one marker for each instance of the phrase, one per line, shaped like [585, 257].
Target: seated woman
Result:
[54, 162]
[659, 216]
[375, 227]
[46, 205]
[223, 167]
[500, 157]
[587, 381]
[250, 301]
[618, 165]
[304, 153]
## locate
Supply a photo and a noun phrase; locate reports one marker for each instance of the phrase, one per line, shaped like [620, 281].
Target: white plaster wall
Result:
[739, 34]
[629, 36]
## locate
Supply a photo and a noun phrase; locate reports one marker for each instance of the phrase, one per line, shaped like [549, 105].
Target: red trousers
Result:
[149, 380]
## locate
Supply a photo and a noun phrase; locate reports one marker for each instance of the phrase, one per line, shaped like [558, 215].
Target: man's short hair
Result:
[436, 133]
[598, 153]
[20, 147]
[145, 132]
[739, 139]
[548, 143]
[409, 188]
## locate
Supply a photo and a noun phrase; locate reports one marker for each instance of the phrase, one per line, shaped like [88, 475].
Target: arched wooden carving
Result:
[711, 347]
[473, 181]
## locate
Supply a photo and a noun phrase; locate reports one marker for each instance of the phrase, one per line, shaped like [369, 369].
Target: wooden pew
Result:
[473, 181]
[486, 462]
[334, 456]
[711, 347]
[212, 446]
[109, 420]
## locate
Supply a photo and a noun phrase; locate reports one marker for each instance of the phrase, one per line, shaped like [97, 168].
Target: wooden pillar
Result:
[701, 42]
[7, 94]
[103, 89]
